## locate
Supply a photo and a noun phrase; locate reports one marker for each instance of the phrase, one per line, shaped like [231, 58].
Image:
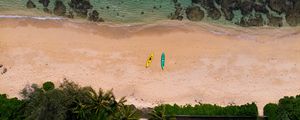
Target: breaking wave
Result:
[31, 17]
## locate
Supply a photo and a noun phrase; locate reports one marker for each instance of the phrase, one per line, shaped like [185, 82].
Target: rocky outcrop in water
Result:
[46, 10]
[227, 7]
[275, 21]
[260, 8]
[94, 16]
[80, 7]
[194, 13]
[44, 2]
[290, 7]
[177, 15]
[293, 15]
[215, 14]
[280, 6]
[70, 14]
[256, 20]
[250, 12]
[293, 19]
[60, 8]
[210, 7]
[245, 13]
[30, 4]
[246, 7]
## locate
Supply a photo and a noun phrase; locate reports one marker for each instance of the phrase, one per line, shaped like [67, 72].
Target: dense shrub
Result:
[46, 105]
[48, 86]
[271, 110]
[288, 108]
[164, 110]
[71, 101]
[10, 108]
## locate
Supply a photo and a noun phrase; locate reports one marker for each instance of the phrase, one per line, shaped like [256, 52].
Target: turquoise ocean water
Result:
[121, 11]
[117, 11]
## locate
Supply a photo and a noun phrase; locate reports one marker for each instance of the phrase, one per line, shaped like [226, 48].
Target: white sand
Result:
[204, 63]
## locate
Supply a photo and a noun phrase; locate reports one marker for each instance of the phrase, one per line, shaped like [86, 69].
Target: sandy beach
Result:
[204, 63]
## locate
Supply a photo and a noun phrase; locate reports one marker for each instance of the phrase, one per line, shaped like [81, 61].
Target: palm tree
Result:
[80, 100]
[127, 112]
[103, 104]
[158, 114]
[80, 110]
[89, 104]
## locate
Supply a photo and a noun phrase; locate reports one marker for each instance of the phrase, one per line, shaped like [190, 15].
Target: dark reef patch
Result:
[194, 13]
[247, 7]
[252, 11]
[280, 6]
[210, 7]
[260, 8]
[215, 14]
[178, 14]
[30, 4]
[70, 14]
[293, 15]
[60, 8]
[46, 10]
[44, 2]
[94, 16]
[246, 13]
[255, 20]
[275, 21]
[80, 7]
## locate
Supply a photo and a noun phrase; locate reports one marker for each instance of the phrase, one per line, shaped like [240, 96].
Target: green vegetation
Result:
[288, 108]
[160, 112]
[70, 101]
[10, 108]
[48, 86]
[270, 110]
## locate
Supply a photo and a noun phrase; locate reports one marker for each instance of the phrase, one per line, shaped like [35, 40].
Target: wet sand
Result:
[204, 63]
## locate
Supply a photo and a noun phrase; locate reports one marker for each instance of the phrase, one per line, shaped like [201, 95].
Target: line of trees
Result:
[80, 8]
[166, 110]
[10, 108]
[288, 108]
[70, 101]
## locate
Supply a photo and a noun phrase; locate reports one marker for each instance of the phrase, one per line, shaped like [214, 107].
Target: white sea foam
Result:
[31, 17]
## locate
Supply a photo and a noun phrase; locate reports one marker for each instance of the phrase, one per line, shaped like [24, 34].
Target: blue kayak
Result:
[162, 61]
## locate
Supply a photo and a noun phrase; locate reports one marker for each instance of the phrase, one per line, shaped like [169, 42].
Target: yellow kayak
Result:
[149, 60]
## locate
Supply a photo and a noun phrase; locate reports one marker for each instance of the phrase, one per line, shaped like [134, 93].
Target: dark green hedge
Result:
[70, 101]
[10, 108]
[67, 102]
[48, 86]
[288, 108]
[204, 110]
[271, 111]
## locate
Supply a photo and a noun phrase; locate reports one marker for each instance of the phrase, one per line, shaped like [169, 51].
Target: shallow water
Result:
[119, 10]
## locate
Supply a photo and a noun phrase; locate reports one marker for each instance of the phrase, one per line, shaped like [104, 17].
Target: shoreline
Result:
[245, 65]
[137, 24]
[217, 29]
[30, 17]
